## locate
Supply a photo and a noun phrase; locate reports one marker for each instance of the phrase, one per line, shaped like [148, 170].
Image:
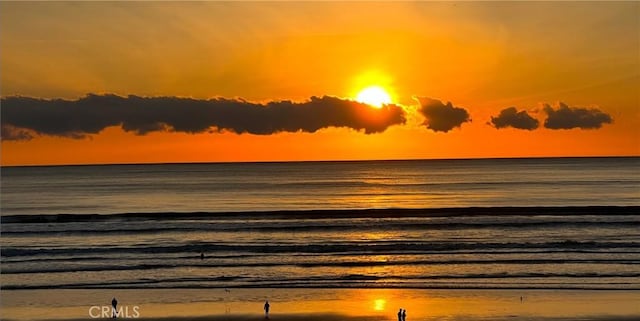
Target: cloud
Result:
[10, 132]
[566, 117]
[511, 117]
[23, 117]
[441, 117]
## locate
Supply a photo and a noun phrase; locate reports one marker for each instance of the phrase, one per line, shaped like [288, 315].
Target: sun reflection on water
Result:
[379, 304]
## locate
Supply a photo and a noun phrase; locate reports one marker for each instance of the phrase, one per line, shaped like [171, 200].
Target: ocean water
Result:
[567, 223]
[320, 185]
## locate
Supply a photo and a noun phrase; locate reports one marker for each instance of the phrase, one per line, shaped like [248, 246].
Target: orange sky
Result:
[482, 57]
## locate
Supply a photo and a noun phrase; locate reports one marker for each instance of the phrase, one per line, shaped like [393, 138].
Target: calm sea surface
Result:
[569, 223]
[320, 185]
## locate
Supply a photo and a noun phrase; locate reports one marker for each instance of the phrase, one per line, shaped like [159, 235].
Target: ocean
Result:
[547, 223]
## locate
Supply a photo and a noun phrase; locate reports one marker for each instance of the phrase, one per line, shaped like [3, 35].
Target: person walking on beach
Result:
[400, 314]
[266, 309]
[404, 315]
[114, 304]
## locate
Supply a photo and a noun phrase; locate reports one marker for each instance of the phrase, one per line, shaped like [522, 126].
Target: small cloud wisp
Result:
[511, 117]
[565, 117]
[440, 117]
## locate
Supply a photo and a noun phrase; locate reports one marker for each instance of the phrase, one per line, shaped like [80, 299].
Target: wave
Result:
[189, 264]
[488, 280]
[327, 227]
[589, 247]
[380, 247]
[330, 214]
[470, 185]
[64, 258]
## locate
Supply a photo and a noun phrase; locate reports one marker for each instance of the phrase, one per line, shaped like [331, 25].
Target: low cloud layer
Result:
[565, 117]
[511, 117]
[22, 117]
[441, 117]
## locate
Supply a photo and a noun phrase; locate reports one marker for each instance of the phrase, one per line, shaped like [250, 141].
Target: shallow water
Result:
[524, 248]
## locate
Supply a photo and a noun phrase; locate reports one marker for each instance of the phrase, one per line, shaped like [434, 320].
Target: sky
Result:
[158, 82]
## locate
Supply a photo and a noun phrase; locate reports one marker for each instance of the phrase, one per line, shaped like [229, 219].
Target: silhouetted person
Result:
[400, 314]
[404, 315]
[114, 304]
[202, 255]
[266, 309]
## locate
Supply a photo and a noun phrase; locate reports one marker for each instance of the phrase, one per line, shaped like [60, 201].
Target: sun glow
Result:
[374, 95]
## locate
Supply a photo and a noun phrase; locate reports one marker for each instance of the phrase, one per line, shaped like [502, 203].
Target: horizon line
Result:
[316, 161]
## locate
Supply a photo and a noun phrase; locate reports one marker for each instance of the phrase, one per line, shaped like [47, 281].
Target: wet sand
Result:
[325, 304]
[337, 317]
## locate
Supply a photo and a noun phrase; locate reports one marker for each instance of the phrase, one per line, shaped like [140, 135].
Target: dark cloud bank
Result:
[441, 117]
[24, 116]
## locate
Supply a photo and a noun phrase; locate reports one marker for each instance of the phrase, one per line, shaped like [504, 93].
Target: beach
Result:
[326, 304]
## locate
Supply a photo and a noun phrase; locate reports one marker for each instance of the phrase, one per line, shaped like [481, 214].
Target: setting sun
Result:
[374, 95]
